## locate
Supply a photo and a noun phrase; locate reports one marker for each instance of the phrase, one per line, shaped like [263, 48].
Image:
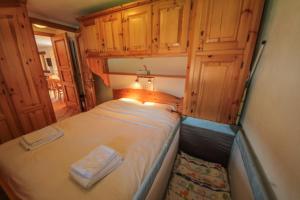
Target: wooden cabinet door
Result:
[22, 71]
[9, 128]
[110, 32]
[65, 70]
[170, 26]
[223, 24]
[87, 77]
[212, 87]
[137, 30]
[91, 39]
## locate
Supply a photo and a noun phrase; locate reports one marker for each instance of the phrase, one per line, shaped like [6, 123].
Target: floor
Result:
[60, 108]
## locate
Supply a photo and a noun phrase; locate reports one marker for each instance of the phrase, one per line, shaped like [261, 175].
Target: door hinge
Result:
[242, 64]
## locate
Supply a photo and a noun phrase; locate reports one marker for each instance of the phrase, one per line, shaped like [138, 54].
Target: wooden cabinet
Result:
[110, 32]
[91, 38]
[170, 26]
[223, 24]
[137, 30]
[212, 87]
[22, 72]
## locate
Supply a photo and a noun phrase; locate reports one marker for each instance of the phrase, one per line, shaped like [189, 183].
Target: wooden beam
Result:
[44, 33]
[52, 24]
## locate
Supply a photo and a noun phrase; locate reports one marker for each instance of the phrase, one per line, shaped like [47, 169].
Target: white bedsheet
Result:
[137, 132]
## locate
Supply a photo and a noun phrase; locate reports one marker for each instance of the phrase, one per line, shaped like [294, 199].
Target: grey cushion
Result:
[207, 140]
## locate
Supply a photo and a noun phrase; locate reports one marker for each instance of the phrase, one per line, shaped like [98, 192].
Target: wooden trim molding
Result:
[154, 75]
[34, 20]
[40, 33]
[149, 96]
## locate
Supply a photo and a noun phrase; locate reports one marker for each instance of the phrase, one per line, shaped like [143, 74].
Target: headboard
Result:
[149, 96]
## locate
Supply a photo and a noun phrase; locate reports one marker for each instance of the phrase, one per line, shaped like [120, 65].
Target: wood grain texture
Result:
[137, 30]
[86, 76]
[149, 96]
[21, 69]
[110, 31]
[65, 70]
[220, 31]
[98, 66]
[170, 26]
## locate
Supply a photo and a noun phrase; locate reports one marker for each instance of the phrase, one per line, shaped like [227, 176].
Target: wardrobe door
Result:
[87, 77]
[109, 28]
[170, 26]
[8, 123]
[223, 24]
[22, 70]
[137, 30]
[213, 83]
[91, 38]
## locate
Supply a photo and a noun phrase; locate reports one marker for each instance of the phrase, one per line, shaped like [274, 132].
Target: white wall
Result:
[174, 86]
[157, 65]
[272, 115]
[49, 53]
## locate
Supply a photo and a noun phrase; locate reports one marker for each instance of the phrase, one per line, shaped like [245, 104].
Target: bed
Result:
[146, 135]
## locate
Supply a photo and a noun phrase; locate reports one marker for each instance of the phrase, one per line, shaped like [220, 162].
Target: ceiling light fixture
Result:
[39, 26]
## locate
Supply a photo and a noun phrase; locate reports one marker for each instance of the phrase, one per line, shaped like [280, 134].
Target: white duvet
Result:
[136, 131]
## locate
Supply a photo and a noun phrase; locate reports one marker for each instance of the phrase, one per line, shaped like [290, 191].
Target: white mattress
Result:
[136, 131]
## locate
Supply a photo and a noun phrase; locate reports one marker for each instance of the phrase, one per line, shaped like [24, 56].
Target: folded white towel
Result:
[42, 134]
[96, 165]
[88, 182]
[38, 138]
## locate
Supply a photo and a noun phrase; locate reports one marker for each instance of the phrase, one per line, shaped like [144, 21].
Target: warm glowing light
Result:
[149, 103]
[136, 85]
[39, 26]
[130, 100]
[149, 81]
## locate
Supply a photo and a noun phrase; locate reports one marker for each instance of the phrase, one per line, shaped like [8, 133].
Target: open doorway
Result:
[52, 74]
